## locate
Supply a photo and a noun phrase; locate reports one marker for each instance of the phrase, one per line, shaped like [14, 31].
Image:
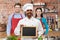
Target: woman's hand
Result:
[43, 36]
[44, 30]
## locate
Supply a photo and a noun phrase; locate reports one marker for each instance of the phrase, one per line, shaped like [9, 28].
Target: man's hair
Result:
[17, 4]
[39, 9]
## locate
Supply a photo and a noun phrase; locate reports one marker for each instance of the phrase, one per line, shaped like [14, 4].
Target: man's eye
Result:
[29, 10]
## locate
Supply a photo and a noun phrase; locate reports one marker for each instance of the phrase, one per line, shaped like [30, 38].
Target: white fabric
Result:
[27, 7]
[29, 22]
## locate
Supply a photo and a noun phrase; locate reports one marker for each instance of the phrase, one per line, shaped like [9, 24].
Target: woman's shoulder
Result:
[43, 18]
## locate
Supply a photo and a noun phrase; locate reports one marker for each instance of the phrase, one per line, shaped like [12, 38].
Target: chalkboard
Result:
[29, 32]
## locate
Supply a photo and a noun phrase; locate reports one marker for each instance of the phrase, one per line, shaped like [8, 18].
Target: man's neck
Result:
[38, 17]
[17, 12]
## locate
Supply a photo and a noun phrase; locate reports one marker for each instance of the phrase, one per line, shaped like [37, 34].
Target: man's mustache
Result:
[29, 13]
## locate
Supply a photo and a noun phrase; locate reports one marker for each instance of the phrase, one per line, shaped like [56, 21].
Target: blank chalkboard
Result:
[29, 31]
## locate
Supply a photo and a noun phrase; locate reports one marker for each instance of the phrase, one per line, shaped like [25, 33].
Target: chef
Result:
[29, 20]
[13, 19]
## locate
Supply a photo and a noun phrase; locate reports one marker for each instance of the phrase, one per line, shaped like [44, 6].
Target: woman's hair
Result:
[41, 13]
[38, 9]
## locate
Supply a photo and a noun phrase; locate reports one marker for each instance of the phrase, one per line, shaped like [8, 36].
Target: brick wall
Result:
[6, 6]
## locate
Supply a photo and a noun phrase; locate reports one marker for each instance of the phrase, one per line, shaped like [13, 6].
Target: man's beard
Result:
[29, 15]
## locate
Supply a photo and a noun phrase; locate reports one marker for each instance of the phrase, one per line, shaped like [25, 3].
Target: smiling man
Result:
[29, 20]
[14, 19]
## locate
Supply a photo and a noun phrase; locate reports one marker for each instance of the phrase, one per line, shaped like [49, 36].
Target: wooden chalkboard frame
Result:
[36, 35]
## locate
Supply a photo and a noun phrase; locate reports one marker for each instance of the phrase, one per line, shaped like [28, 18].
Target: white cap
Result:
[27, 7]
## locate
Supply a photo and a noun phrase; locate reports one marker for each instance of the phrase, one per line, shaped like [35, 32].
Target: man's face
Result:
[17, 8]
[29, 13]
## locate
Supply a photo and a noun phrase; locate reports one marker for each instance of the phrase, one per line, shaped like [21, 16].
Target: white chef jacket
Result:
[29, 22]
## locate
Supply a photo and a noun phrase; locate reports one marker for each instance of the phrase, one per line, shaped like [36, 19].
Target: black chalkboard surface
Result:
[29, 32]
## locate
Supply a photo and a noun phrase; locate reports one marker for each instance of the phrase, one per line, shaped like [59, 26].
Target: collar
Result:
[30, 18]
[17, 13]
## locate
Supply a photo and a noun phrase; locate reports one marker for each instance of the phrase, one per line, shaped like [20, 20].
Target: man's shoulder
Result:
[11, 15]
[22, 20]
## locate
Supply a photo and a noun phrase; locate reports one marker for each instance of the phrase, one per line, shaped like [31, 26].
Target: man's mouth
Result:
[29, 14]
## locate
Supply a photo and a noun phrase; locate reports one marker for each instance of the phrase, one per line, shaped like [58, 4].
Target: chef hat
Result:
[27, 7]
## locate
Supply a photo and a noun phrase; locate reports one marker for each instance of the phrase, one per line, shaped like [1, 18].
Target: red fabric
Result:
[14, 24]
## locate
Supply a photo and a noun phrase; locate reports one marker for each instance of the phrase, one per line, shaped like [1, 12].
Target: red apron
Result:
[14, 24]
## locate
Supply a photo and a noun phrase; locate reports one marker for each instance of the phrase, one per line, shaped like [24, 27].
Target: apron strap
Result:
[20, 15]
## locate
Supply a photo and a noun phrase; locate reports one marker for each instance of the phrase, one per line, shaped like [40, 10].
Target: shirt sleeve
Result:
[17, 29]
[9, 25]
[40, 29]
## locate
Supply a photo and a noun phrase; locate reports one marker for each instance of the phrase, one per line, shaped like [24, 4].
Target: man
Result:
[14, 19]
[29, 20]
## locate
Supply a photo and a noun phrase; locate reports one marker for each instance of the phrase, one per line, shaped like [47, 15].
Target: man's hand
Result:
[35, 37]
[21, 28]
[21, 25]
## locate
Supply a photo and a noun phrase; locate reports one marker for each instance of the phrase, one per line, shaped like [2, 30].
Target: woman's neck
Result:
[38, 17]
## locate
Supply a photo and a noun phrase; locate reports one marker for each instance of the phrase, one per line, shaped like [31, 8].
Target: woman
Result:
[39, 16]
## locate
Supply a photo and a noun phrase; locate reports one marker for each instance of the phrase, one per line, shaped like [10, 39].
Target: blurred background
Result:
[51, 10]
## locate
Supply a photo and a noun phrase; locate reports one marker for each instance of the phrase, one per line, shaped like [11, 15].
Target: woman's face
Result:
[38, 12]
